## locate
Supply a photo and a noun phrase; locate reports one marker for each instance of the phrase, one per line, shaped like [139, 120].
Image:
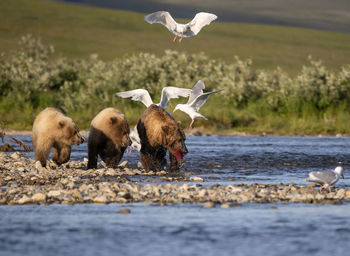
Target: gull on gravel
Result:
[326, 178]
[182, 30]
[195, 102]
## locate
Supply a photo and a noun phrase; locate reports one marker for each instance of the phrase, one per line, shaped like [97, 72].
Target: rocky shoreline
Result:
[22, 181]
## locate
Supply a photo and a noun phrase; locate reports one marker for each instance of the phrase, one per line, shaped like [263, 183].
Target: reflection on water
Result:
[253, 229]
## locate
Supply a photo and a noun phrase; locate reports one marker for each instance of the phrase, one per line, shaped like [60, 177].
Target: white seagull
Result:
[327, 178]
[195, 102]
[168, 93]
[182, 30]
[143, 96]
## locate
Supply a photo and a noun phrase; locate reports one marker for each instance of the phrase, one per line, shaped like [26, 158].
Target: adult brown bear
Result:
[158, 133]
[108, 138]
[52, 129]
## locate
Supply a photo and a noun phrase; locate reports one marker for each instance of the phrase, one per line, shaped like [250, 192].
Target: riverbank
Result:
[22, 181]
[193, 132]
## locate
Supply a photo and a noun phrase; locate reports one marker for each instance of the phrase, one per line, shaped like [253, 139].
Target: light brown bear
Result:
[109, 137]
[52, 129]
[158, 133]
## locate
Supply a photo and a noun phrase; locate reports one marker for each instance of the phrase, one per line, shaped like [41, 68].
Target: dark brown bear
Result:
[158, 133]
[52, 129]
[108, 138]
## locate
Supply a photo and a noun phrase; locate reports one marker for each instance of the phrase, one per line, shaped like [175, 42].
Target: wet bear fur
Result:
[158, 133]
[52, 129]
[108, 138]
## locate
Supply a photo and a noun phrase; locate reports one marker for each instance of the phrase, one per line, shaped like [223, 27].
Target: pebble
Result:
[124, 211]
[100, 199]
[39, 197]
[15, 155]
[38, 165]
[209, 205]
[196, 179]
[123, 164]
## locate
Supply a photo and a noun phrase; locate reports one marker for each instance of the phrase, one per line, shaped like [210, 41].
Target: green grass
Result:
[78, 31]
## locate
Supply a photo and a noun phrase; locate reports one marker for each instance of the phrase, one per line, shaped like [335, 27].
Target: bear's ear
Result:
[61, 123]
[114, 120]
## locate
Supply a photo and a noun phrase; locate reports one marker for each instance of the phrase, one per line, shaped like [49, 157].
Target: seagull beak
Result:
[174, 110]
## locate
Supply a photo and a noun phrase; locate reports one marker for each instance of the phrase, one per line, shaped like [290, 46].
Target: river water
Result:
[189, 229]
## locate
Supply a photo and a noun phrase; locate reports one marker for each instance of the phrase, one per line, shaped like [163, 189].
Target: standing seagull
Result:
[143, 96]
[195, 102]
[182, 30]
[327, 178]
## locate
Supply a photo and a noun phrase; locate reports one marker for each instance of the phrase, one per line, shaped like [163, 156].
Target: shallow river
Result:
[189, 229]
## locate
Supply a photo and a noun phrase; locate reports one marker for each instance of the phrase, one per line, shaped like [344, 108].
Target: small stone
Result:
[196, 179]
[100, 199]
[54, 193]
[340, 194]
[38, 165]
[39, 197]
[121, 200]
[123, 164]
[111, 172]
[209, 205]
[24, 200]
[139, 165]
[347, 194]
[85, 160]
[202, 193]
[224, 205]
[124, 211]
[15, 155]
[76, 194]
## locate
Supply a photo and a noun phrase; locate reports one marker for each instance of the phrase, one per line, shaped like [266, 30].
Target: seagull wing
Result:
[201, 99]
[163, 18]
[328, 177]
[196, 91]
[199, 21]
[172, 93]
[137, 95]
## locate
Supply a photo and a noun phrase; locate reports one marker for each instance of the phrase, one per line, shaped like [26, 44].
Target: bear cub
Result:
[108, 138]
[158, 133]
[52, 129]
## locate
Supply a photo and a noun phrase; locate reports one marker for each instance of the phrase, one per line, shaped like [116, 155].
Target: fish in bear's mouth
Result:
[179, 155]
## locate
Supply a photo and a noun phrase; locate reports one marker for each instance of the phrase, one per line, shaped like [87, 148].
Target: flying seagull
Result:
[182, 30]
[143, 96]
[327, 178]
[195, 102]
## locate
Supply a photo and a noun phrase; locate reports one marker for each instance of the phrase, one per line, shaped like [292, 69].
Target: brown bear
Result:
[52, 129]
[108, 138]
[159, 132]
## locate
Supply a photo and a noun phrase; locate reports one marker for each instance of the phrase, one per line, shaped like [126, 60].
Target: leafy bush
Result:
[30, 78]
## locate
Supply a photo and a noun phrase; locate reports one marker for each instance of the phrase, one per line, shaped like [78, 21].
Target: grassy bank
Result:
[314, 101]
[78, 31]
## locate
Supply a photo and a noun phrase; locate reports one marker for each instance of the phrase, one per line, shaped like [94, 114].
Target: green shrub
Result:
[30, 78]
